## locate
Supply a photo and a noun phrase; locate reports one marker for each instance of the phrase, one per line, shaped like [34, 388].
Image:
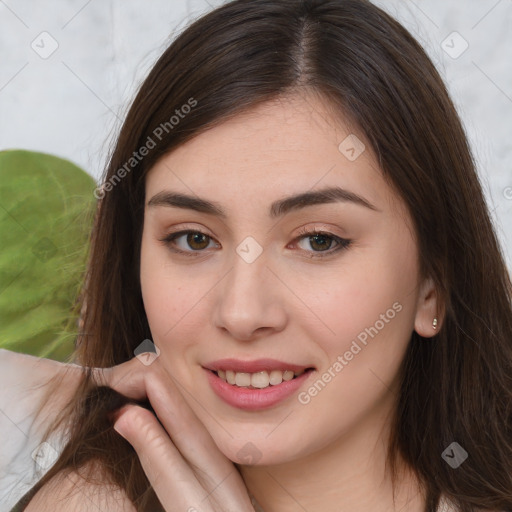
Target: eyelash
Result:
[343, 243]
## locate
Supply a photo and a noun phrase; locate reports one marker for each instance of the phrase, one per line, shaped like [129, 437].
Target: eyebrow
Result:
[277, 209]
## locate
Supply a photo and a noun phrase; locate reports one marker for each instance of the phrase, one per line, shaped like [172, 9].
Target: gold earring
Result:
[434, 323]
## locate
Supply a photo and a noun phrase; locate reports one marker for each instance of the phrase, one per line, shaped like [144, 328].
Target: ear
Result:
[428, 308]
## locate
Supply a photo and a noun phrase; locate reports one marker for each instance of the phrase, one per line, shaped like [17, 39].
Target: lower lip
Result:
[255, 399]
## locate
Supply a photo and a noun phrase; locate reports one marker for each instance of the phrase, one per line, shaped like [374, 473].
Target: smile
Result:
[258, 380]
[255, 385]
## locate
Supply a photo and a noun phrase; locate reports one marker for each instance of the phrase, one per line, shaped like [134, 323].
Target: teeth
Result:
[258, 380]
[288, 375]
[276, 377]
[243, 379]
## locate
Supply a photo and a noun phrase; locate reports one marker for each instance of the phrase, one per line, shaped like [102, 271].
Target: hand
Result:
[186, 469]
[180, 451]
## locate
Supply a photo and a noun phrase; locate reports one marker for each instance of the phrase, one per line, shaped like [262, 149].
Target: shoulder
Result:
[70, 491]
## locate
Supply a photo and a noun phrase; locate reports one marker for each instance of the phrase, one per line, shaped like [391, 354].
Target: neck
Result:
[349, 474]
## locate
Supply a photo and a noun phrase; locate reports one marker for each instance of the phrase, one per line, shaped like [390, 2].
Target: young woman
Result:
[292, 216]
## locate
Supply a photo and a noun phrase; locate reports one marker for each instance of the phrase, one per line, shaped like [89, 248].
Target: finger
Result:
[212, 468]
[138, 381]
[183, 426]
[173, 481]
[127, 378]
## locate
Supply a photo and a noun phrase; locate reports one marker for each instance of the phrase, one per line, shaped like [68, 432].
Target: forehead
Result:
[289, 145]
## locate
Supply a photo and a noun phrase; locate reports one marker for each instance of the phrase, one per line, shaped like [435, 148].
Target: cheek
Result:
[177, 299]
[371, 313]
[167, 292]
[370, 302]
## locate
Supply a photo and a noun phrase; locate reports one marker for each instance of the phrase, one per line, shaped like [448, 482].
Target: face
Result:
[328, 284]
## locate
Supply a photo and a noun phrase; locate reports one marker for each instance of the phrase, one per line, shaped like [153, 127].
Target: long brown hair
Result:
[455, 387]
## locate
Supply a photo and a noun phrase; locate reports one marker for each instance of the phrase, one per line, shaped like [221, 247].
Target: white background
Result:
[71, 103]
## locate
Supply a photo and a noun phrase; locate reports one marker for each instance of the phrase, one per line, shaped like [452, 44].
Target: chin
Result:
[256, 451]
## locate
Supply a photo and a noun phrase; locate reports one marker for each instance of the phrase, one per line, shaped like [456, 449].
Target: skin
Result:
[327, 454]
[285, 304]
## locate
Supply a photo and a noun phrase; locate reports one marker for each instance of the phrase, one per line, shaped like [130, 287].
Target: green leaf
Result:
[46, 213]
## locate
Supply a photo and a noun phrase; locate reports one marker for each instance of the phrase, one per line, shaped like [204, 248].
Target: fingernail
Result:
[118, 427]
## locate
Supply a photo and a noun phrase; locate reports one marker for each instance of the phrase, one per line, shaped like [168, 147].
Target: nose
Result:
[250, 302]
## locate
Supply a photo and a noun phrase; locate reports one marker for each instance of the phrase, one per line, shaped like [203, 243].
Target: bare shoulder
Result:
[70, 491]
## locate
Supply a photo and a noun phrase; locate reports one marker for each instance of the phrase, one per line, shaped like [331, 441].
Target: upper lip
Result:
[257, 365]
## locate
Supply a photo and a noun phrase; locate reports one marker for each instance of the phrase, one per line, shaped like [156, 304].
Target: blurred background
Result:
[68, 71]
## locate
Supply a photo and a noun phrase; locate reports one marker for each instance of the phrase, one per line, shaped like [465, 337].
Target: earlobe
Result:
[428, 312]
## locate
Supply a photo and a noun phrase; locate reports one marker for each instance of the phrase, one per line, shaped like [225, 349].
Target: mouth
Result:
[259, 380]
[256, 385]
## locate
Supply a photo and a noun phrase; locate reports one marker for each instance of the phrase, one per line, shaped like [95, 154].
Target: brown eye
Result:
[197, 241]
[320, 242]
[188, 241]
